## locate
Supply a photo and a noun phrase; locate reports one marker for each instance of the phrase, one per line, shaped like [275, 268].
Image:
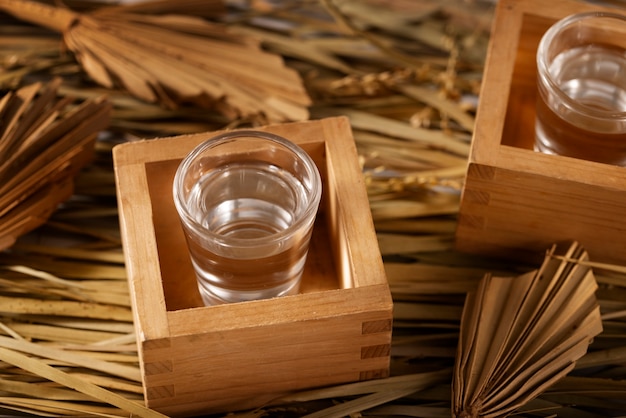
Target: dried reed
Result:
[406, 73]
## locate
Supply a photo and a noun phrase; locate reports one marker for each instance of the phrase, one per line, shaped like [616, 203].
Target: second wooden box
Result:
[517, 202]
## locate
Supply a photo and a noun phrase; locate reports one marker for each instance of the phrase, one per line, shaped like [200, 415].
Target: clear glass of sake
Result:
[581, 106]
[247, 201]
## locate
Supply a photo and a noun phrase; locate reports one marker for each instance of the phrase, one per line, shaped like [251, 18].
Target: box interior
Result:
[178, 278]
[519, 123]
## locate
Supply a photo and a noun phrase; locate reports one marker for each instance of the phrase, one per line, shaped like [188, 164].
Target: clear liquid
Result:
[243, 202]
[595, 77]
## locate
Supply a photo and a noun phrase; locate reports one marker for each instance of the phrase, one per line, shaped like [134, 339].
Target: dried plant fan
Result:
[44, 141]
[175, 59]
[520, 335]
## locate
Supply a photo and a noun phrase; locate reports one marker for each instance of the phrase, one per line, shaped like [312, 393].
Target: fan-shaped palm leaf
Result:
[175, 59]
[519, 335]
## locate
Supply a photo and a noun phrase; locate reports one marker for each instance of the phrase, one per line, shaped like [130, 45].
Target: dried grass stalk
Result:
[413, 143]
[96, 392]
[126, 372]
[64, 308]
[369, 393]
[366, 121]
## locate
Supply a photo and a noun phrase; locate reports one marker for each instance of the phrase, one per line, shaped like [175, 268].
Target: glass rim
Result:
[315, 192]
[543, 71]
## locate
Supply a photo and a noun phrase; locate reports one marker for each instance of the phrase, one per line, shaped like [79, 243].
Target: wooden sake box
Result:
[197, 359]
[517, 202]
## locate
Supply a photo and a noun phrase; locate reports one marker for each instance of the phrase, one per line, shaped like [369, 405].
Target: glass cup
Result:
[581, 106]
[247, 201]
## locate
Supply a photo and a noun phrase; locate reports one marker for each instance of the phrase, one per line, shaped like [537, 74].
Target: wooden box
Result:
[517, 202]
[197, 359]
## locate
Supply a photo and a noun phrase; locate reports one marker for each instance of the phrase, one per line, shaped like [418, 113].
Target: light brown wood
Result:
[517, 202]
[197, 359]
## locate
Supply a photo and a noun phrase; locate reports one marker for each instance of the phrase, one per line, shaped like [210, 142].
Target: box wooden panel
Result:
[197, 359]
[517, 202]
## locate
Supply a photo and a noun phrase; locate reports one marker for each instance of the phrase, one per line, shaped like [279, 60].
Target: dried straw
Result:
[402, 71]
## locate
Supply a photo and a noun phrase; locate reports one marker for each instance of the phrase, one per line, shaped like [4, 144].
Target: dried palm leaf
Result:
[521, 335]
[175, 59]
[44, 142]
